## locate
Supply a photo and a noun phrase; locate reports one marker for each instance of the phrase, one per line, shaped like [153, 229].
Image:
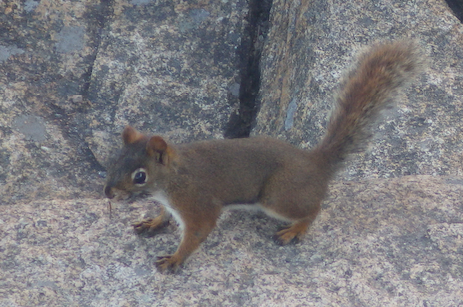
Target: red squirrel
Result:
[194, 182]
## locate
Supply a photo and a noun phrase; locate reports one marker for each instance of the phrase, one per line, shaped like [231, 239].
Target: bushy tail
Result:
[368, 89]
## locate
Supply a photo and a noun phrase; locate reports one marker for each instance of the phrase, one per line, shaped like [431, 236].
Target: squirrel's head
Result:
[140, 166]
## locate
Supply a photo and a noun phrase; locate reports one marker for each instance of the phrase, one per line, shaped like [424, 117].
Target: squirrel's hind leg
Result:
[297, 206]
[293, 232]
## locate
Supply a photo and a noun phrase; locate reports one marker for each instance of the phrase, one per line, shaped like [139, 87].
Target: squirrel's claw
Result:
[168, 264]
[284, 238]
[290, 234]
[149, 227]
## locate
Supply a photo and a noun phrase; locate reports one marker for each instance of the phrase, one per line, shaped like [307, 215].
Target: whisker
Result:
[110, 209]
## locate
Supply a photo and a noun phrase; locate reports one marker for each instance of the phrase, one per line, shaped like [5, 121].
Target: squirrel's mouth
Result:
[126, 197]
[139, 195]
[131, 197]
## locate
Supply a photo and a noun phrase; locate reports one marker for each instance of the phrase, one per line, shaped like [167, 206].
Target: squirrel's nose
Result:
[108, 192]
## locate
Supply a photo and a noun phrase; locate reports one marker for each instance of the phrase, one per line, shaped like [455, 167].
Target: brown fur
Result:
[196, 181]
[368, 89]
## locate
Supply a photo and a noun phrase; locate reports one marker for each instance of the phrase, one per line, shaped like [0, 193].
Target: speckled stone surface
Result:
[169, 68]
[311, 43]
[45, 54]
[395, 242]
[73, 73]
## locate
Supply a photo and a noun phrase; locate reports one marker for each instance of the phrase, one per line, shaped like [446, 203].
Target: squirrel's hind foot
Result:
[292, 233]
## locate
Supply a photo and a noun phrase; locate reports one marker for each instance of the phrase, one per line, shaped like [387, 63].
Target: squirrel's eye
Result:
[139, 176]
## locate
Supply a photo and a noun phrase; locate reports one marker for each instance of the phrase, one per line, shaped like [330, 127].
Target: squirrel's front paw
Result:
[149, 227]
[168, 264]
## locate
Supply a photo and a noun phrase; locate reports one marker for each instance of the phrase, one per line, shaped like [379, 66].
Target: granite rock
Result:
[73, 73]
[312, 43]
[381, 242]
[169, 68]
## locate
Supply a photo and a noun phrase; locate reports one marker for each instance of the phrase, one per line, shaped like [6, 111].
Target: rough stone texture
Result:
[73, 73]
[45, 52]
[313, 42]
[169, 68]
[378, 243]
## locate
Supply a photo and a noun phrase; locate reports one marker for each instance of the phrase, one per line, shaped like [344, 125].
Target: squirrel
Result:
[195, 181]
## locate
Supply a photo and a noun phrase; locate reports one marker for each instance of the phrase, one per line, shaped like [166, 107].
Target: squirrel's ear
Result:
[130, 135]
[157, 148]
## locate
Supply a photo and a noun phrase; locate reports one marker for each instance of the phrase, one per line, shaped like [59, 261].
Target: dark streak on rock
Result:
[98, 18]
[457, 8]
[240, 124]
